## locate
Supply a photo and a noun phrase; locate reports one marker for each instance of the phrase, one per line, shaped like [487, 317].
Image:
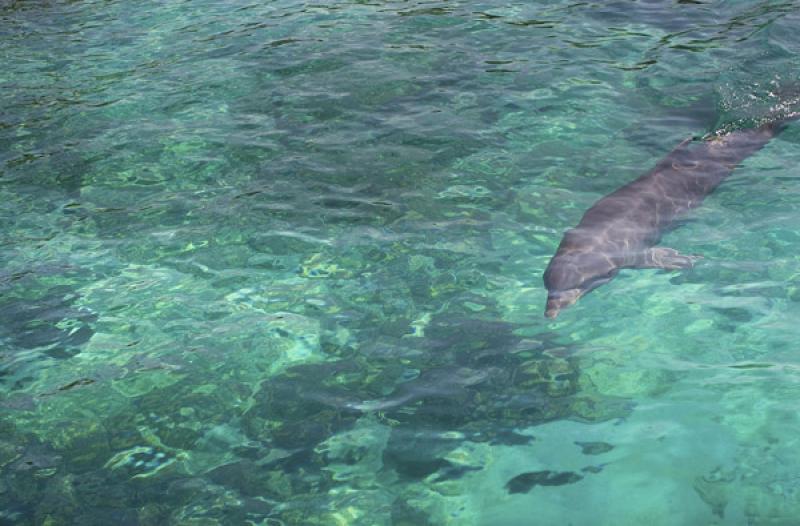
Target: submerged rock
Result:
[527, 481]
[594, 448]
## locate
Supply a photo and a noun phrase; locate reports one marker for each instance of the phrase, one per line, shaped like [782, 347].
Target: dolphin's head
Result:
[571, 274]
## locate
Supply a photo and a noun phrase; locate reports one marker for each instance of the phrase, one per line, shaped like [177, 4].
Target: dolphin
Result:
[621, 230]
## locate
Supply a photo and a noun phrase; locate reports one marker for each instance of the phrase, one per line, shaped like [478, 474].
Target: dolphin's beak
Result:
[558, 301]
[552, 312]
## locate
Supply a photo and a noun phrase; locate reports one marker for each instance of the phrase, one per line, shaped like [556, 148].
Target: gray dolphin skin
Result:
[621, 229]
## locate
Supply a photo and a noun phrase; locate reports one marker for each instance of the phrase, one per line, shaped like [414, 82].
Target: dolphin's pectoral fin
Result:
[666, 258]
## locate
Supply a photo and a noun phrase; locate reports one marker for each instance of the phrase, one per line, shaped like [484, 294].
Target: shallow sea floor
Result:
[280, 264]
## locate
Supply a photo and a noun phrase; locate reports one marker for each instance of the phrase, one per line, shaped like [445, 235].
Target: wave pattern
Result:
[280, 263]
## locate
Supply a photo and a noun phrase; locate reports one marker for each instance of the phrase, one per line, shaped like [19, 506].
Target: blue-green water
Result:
[280, 264]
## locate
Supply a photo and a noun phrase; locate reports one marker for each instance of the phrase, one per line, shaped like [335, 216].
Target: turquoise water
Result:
[280, 264]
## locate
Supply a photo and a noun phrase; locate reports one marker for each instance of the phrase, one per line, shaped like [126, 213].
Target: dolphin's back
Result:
[642, 209]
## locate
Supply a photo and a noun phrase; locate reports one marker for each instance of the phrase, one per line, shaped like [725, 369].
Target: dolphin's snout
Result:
[551, 310]
[558, 301]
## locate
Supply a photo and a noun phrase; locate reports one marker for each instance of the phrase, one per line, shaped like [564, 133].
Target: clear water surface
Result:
[279, 263]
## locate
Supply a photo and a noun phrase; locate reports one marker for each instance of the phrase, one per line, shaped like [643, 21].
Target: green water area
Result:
[280, 264]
